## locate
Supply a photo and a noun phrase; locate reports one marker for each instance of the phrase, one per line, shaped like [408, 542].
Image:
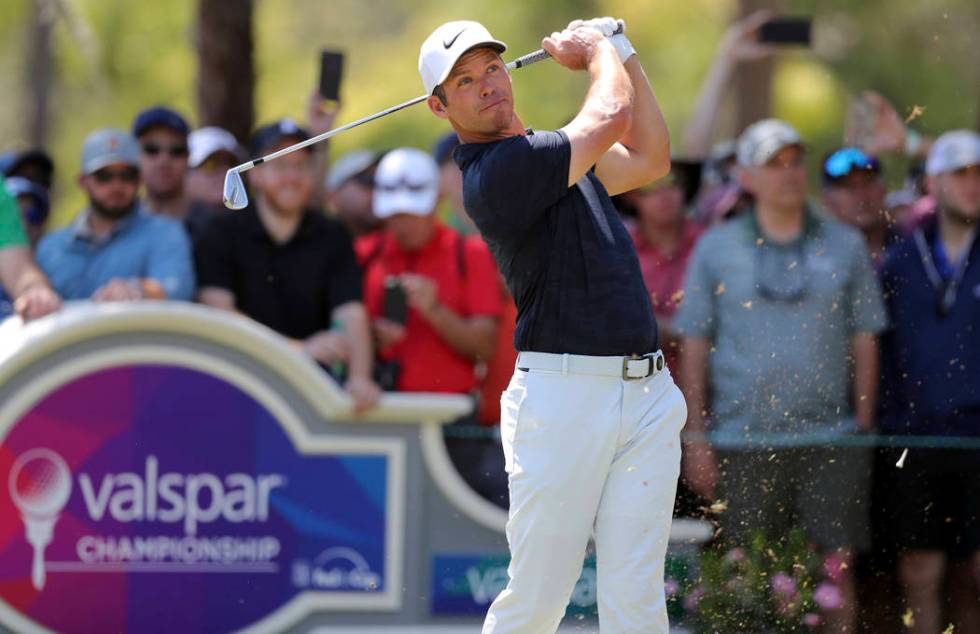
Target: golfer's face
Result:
[479, 92]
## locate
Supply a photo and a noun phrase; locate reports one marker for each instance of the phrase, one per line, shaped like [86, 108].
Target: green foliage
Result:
[114, 57]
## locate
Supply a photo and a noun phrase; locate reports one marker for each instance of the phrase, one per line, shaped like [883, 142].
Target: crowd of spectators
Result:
[800, 323]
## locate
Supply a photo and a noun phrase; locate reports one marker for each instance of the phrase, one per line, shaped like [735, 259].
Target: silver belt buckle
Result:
[654, 363]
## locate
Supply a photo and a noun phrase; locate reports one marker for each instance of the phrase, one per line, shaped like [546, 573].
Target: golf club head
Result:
[235, 196]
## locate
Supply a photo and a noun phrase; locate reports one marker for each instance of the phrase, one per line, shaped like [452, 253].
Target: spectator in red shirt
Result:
[664, 239]
[448, 281]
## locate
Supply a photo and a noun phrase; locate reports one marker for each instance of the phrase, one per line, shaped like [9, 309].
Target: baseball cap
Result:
[447, 44]
[10, 162]
[761, 140]
[204, 142]
[107, 146]
[159, 116]
[845, 161]
[348, 166]
[407, 181]
[19, 186]
[274, 133]
[952, 151]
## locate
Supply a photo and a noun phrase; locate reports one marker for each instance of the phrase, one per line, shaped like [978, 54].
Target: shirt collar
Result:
[82, 230]
[812, 225]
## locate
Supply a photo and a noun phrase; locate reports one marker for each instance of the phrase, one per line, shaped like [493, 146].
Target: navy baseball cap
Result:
[274, 133]
[19, 186]
[11, 162]
[845, 161]
[160, 117]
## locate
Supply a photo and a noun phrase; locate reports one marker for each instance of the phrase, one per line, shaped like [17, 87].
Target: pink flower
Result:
[811, 620]
[692, 600]
[671, 587]
[834, 566]
[735, 555]
[783, 585]
[828, 596]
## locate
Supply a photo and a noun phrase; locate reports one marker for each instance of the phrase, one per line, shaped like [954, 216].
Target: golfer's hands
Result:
[573, 48]
[700, 468]
[613, 29]
[607, 26]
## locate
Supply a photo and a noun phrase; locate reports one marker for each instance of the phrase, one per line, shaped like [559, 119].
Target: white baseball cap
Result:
[446, 45]
[952, 151]
[204, 142]
[406, 182]
[761, 140]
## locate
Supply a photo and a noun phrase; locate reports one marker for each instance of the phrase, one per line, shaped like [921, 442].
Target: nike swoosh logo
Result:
[449, 44]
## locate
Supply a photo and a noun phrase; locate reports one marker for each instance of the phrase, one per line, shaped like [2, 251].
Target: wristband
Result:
[623, 46]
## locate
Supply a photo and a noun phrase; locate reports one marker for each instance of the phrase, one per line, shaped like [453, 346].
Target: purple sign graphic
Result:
[159, 498]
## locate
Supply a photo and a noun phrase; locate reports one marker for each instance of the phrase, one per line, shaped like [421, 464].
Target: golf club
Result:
[235, 195]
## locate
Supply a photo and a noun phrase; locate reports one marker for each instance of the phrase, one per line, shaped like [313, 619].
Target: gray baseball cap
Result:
[348, 166]
[107, 146]
[952, 151]
[761, 140]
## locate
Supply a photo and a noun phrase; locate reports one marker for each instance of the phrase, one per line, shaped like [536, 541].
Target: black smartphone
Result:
[786, 31]
[331, 70]
[395, 306]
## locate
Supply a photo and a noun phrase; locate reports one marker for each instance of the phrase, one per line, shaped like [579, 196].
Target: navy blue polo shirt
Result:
[567, 258]
[930, 356]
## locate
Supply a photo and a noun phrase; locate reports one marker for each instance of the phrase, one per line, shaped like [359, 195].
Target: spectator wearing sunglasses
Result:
[162, 135]
[34, 204]
[779, 321]
[854, 192]
[350, 190]
[115, 250]
[931, 384]
[20, 276]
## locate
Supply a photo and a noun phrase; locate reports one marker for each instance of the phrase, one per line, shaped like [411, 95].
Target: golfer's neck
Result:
[516, 128]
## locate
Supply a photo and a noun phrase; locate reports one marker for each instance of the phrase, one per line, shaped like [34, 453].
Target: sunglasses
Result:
[781, 276]
[128, 175]
[175, 151]
[34, 215]
[846, 160]
[402, 185]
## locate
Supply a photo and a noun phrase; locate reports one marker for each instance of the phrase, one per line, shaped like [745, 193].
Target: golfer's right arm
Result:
[606, 114]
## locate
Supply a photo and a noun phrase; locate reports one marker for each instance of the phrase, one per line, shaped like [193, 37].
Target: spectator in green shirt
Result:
[19, 275]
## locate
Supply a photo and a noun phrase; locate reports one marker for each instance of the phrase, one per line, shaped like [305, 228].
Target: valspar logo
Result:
[135, 489]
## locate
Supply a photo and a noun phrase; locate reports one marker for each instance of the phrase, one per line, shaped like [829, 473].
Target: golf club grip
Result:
[541, 54]
[530, 58]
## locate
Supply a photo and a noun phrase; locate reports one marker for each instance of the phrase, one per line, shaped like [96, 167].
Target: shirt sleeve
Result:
[696, 315]
[11, 230]
[864, 302]
[481, 277]
[169, 261]
[516, 181]
[345, 272]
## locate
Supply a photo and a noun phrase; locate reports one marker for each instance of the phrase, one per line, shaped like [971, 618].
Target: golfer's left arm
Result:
[642, 154]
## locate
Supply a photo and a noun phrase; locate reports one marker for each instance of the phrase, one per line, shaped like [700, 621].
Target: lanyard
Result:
[947, 288]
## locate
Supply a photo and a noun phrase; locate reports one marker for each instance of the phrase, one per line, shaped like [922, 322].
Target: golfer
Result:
[591, 418]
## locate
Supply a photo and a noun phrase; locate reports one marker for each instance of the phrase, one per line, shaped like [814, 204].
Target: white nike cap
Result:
[952, 151]
[446, 45]
[406, 182]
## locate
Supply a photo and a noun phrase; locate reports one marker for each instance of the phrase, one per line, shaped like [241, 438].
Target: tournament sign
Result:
[159, 497]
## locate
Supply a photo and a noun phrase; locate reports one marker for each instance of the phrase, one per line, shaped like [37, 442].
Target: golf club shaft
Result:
[520, 62]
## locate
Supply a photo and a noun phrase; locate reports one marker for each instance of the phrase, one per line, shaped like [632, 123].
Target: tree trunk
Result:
[753, 80]
[226, 72]
[37, 73]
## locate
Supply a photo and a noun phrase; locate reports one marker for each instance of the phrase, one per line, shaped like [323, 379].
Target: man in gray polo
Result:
[779, 320]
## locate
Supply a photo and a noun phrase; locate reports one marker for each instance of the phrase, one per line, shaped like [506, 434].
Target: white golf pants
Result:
[588, 455]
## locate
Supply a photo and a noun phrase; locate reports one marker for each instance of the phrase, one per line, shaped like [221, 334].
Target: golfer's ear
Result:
[435, 105]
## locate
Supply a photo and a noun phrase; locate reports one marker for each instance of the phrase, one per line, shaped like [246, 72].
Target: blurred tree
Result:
[37, 71]
[226, 72]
